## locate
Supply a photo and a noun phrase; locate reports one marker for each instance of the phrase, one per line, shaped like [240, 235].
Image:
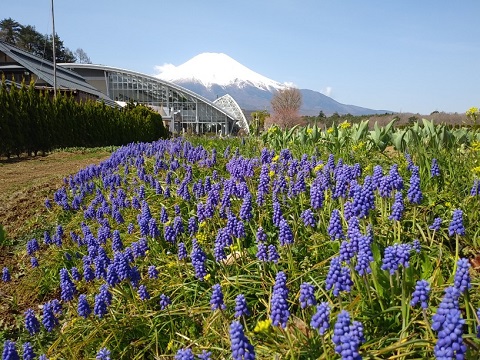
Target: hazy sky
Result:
[399, 55]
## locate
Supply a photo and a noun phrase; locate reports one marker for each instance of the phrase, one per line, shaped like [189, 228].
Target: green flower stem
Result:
[367, 287]
[377, 286]
[457, 253]
[414, 218]
[325, 348]
[405, 304]
[471, 328]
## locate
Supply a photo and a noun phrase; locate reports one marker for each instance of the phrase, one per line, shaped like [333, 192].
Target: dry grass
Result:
[26, 182]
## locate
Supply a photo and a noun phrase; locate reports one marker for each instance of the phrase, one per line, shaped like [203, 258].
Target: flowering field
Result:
[242, 249]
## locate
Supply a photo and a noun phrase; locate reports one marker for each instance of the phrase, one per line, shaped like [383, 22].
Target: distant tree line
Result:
[26, 37]
[32, 122]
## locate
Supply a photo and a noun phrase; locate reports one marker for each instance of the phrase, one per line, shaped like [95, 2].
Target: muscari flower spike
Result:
[279, 312]
[421, 294]
[9, 351]
[164, 301]
[307, 295]
[31, 322]
[28, 353]
[450, 344]
[456, 225]
[308, 218]
[103, 354]
[435, 169]
[321, 320]
[205, 355]
[143, 292]
[83, 308]
[241, 308]
[49, 320]
[462, 276]
[241, 347]
[6, 275]
[216, 301]
[335, 226]
[436, 224]
[184, 354]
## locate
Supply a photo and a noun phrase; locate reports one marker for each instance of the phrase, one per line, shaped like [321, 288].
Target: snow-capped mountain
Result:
[212, 75]
[209, 69]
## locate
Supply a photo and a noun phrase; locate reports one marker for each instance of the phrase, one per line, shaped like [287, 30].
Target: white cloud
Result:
[290, 84]
[160, 69]
[327, 91]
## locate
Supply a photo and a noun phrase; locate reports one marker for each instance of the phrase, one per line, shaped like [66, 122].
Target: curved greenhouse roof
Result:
[227, 103]
[182, 109]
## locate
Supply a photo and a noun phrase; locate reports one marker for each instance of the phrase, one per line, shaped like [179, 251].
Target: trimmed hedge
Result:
[32, 122]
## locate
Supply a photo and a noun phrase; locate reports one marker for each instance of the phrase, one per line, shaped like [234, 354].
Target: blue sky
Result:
[404, 56]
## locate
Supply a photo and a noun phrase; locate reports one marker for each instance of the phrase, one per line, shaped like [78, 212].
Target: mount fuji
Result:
[212, 75]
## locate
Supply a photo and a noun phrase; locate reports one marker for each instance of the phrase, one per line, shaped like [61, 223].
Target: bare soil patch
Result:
[26, 182]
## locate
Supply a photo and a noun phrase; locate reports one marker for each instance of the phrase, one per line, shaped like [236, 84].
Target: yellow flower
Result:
[271, 173]
[368, 168]
[318, 167]
[309, 131]
[330, 130]
[272, 129]
[345, 125]
[476, 145]
[359, 146]
[476, 170]
[206, 277]
[262, 325]
[472, 111]
[202, 224]
[275, 158]
[170, 345]
[201, 238]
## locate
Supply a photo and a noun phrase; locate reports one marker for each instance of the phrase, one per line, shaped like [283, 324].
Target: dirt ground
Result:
[26, 182]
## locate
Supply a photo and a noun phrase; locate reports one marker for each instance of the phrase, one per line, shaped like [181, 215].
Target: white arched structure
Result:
[181, 109]
[227, 103]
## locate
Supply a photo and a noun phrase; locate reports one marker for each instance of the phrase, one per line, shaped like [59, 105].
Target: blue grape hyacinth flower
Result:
[205, 355]
[31, 322]
[103, 354]
[184, 354]
[83, 308]
[462, 276]
[9, 351]
[143, 292]
[307, 295]
[6, 275]
[241, 347]
[321, 320]
[436, 224]
[435, 169]
[28, 353]
[279, 312]
[164, 301]
[456, 225]
[241, 308]
[421, 294]
[216, 301]
[335, 226]
[478, 327]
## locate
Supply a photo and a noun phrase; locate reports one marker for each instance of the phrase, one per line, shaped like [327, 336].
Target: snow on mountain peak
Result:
[216, 69]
